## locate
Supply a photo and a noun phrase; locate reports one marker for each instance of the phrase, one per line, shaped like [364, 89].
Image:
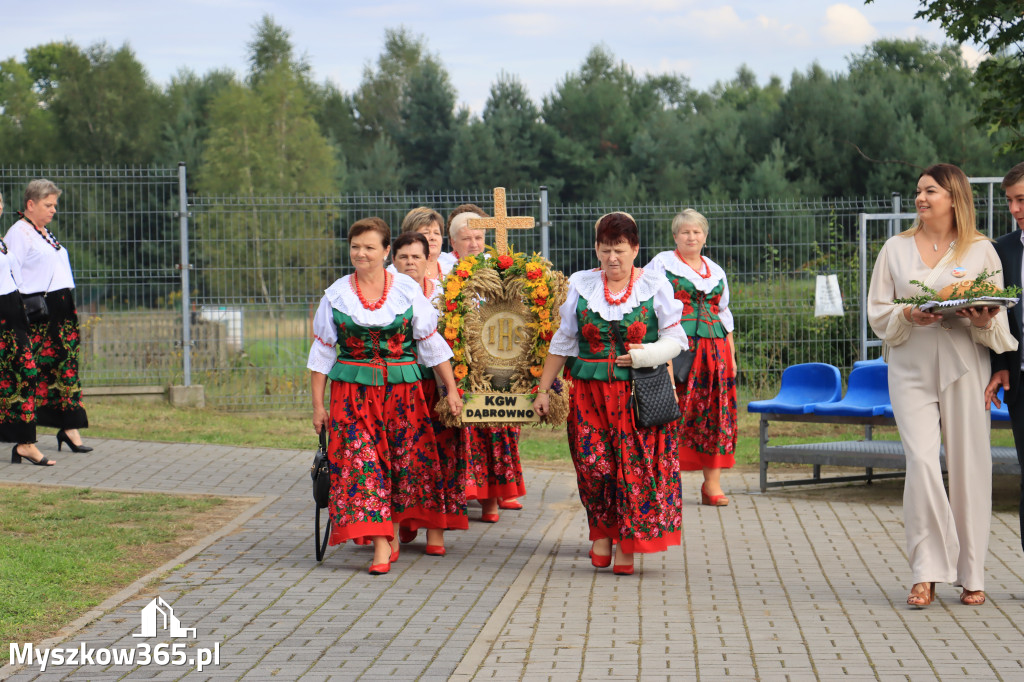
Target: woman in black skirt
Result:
[46, 271]
[18, 371]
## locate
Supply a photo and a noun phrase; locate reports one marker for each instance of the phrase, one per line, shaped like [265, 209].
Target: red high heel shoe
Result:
[622, 570]
[600, 561]
[489, 518]
[394, 557]
[379, 569]
[712, 500]
[510, 503]
[435, 550]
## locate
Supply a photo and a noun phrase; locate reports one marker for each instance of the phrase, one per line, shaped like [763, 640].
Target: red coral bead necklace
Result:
[383, 297]
[706, 268]
[626, 293]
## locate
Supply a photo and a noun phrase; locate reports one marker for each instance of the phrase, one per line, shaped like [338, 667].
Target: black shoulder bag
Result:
[652, 396]
[320, 472]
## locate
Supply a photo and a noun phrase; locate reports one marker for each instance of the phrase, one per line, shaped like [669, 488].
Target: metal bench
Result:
[864, 407]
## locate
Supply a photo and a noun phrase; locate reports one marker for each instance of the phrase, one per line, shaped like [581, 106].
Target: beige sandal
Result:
[972, 597]
[921, 598]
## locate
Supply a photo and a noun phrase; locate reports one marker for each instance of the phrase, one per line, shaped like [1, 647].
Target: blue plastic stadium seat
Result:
[802, 387]
[887, 412]
[877, 361]
[867, 394]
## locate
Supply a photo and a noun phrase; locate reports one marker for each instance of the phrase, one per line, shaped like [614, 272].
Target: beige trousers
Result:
[936, 382]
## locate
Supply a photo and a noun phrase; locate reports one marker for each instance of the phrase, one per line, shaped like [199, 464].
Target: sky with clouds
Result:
[540, 41]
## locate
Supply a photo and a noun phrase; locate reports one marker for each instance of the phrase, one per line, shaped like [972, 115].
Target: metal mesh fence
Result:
[260, 265]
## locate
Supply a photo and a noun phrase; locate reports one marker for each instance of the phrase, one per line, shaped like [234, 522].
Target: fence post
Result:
[897, 207]
[991, 215]
[184, 266]
[545, 224]
[862, 222]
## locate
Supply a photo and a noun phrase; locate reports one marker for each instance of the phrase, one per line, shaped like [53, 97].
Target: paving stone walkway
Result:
[791, 585]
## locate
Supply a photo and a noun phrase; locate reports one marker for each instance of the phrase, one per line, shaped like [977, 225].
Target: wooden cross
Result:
[501, 222]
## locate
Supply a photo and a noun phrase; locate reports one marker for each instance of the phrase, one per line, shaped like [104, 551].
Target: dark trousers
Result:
[1016, 409]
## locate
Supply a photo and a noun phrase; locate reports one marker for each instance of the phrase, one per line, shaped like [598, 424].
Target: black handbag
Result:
[35, 308]
[320, 472]
[682, 364]
[652, 398]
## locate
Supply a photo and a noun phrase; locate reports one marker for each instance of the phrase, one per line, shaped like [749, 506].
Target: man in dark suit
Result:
[1008, 368]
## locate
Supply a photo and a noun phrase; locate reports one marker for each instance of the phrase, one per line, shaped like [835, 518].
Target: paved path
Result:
[792, 585]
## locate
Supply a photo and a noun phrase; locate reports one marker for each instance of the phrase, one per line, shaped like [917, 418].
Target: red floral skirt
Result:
[453, 462]
[384, 462]
[628, 477]
[494, 468]
[707, 429]
[18, 373]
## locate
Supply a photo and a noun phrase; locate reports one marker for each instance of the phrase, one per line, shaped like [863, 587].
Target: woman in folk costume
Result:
[46, 272]
[707, 400]
[369, 330]
[938, 369]
[429, 223]
[18, 370]
[411, 251]
[628, 475]
[495, 475]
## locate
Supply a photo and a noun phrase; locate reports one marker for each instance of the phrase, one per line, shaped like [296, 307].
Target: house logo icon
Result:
[158, 615]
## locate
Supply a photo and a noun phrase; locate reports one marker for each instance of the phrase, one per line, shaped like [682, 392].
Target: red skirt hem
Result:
[634, 546]
[363, 529]
[505, 491]
[694, 460]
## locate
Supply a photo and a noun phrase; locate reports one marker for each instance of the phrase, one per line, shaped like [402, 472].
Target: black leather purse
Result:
[320, 472]
[682, 364]
[35, 308]
[652, 397]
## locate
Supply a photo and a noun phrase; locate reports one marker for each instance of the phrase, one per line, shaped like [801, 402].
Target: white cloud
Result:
[715, 22]
[529, 25]
[972, 57]
[845, 25]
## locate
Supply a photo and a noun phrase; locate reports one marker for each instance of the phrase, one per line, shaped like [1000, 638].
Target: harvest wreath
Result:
[498, 314]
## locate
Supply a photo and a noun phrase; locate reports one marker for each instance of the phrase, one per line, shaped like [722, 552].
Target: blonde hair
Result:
[421, 217]
[954, 181]
[689, 216]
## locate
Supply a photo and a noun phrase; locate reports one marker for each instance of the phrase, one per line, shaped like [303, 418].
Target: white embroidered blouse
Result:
[589, 285]
[669, 261]
[404, 293]
[42, 267]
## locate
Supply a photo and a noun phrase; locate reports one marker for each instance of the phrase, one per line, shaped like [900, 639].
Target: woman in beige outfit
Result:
[938, 369]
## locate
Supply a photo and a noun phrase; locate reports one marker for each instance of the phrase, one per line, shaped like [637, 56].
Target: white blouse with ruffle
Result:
[669, 261]
[589, 284]
[431, 349]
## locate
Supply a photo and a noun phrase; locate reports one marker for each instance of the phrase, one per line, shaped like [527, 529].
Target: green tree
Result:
[997, 25]
[106, 109]
[190, 98]
[264, 141]
[594, 115]
[28, 131]
[426, 128]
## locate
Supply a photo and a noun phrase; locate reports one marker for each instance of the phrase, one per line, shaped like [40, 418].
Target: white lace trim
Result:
[590, 286]
[671, 262]
[342, 296]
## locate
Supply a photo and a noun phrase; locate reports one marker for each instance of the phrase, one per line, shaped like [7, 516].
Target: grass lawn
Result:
[293, 430]
[65, 550]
